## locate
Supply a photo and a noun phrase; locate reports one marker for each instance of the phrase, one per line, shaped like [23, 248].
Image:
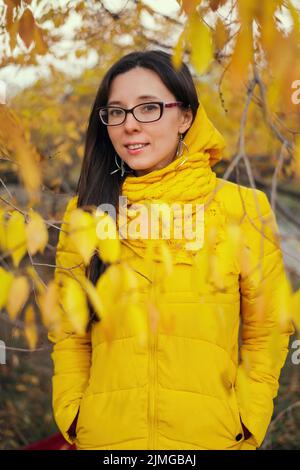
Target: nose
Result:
[131, 123]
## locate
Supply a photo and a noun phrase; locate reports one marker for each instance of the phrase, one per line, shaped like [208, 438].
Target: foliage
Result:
[244, 55]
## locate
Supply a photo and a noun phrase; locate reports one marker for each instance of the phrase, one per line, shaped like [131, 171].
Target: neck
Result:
[163, 164]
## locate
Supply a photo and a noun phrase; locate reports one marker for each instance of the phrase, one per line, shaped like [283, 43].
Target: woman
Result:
[189, 385]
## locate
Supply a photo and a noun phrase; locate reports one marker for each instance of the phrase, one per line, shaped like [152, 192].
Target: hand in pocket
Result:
[246, 431]
[72, 428]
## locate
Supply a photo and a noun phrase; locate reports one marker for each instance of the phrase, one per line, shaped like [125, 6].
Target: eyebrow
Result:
[143, 97]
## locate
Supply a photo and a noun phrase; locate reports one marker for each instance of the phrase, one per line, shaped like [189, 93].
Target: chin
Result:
[141, 165]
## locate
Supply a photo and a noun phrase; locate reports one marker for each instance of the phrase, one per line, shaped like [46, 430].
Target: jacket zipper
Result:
[153, 381]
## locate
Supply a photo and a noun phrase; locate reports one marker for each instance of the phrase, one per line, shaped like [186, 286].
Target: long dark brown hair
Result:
[96, 185]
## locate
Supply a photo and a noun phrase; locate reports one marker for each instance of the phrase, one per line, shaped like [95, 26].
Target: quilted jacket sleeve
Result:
[265, 316]
[71, 354]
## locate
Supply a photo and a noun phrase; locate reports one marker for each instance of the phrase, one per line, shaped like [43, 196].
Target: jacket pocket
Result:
[76, 427]
[238, 416]
[79, 414]
[235, 413]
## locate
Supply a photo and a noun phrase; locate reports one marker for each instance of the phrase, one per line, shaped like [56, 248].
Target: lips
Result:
[136, 148]
[137, 143]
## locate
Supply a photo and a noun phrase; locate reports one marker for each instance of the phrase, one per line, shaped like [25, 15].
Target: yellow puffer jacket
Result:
[222, 332]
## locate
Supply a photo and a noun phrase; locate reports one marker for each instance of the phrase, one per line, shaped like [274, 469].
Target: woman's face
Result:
[137, 86]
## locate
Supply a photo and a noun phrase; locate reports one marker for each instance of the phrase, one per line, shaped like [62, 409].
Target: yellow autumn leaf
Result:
[109, 288]
[13, 138]
[16, 237]
[93, 296]
[49, 306]
[265, 15]
[189, 6]
[6, 279]
[40, 42]
[109, 245]
[178, 51]
[215, 4]
[129, 286]
[138, 319]
[9, 17]
[30, 328]
[221, 34]
[200, 41]
[75, 305]
[37, 233]
[38, 283]
[17, 296]
[13, 32]
[26, 27]
[242, 55]
[82, 231]
[129, 279]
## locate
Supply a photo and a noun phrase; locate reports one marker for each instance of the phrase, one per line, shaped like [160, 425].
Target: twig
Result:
[275, 175]
[287, 215]
[6, 188]
[266, 112]
[10, 348]
[282, 413]
[241, 141]
[25, 214]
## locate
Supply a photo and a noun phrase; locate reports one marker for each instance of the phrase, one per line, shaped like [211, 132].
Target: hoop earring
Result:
[180, 149]
[122, 167]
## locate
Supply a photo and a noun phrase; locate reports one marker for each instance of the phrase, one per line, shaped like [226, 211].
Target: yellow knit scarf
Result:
[184, 189]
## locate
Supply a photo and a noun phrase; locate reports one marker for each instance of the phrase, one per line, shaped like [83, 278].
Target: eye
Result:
[147, 108]
[115, 112]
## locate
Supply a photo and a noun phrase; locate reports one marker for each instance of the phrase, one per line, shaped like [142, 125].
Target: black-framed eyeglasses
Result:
[145, 112]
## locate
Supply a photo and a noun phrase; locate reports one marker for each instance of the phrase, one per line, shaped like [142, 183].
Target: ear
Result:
[186, 119]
